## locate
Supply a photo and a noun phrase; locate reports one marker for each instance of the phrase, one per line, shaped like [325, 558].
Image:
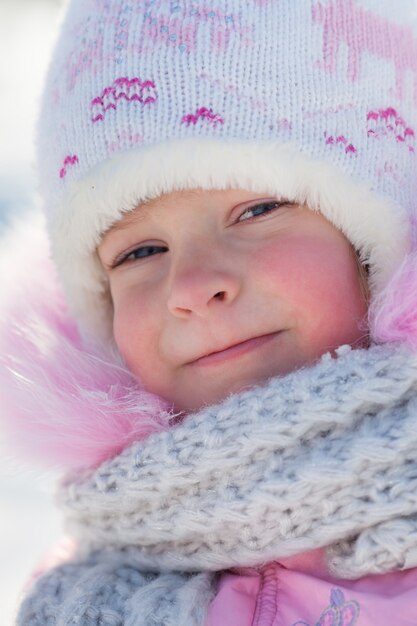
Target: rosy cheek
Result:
[132, 317]
[289, 266]
[316, 277]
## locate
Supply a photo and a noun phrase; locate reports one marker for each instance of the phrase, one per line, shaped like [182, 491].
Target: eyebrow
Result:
[141, 211]
[128, 219]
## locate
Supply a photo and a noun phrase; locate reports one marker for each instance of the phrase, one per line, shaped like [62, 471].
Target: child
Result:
[231, 205]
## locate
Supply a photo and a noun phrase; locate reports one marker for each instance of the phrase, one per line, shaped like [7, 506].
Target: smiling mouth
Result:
[237, 350]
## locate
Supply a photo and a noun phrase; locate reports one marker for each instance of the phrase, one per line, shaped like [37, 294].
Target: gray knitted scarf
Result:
[323, 457]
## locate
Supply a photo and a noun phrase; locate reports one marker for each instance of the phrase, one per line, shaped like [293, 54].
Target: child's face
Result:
[194, 273]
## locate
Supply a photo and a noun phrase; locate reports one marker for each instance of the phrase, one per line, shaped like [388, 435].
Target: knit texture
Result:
[108, 589]
[128, 74]
[134, 87]
[324, 457]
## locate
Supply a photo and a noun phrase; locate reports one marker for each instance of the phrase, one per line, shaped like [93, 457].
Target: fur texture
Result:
[67, 404]
[71, 404]
[224, 487]
[393, 312]
[92, 205]
[271, 112]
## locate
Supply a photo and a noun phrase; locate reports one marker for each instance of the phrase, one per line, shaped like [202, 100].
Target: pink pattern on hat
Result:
[125, 138]
[344, 21]
[89, 53]
[341, 140]
[71, 159]
[387, 122]
[178, 28]
[181, 28]
[84, 58]
[202, 113]
[123, 88]
[172, 32]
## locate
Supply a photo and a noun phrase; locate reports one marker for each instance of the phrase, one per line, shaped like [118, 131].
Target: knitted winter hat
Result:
[311, 100]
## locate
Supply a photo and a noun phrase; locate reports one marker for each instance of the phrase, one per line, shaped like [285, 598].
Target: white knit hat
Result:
[311, 100]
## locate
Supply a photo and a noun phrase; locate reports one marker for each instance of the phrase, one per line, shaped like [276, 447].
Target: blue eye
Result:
[140, 253]
[262, 208]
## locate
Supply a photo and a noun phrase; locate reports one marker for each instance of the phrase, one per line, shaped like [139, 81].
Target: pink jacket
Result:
[291, 592]
[300, 592]
[297, 591]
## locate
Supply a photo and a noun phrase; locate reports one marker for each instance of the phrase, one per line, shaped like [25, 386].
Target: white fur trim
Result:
[373, 225]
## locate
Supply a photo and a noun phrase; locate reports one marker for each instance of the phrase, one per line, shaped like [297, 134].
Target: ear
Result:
[393, 312]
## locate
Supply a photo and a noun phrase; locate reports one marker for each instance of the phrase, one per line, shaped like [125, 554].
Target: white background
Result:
[29, 523]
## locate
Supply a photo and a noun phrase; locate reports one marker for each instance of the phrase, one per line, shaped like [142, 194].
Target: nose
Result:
[198, 286]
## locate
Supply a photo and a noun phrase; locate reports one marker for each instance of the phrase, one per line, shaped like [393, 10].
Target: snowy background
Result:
[29, 524]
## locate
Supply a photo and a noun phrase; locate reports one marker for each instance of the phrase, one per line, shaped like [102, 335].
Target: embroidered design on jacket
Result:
[339, 613]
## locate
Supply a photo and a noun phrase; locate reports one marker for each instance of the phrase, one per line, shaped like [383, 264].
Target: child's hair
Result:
[146, 98]
[363, 274]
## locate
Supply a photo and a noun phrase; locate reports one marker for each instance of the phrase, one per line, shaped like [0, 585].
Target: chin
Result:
[211, 397]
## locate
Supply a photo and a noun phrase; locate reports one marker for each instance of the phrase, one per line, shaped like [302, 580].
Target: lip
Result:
[234, 351]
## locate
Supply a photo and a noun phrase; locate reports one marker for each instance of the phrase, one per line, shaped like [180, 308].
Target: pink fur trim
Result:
[68, 406]
[393, 312]
[72, 407]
